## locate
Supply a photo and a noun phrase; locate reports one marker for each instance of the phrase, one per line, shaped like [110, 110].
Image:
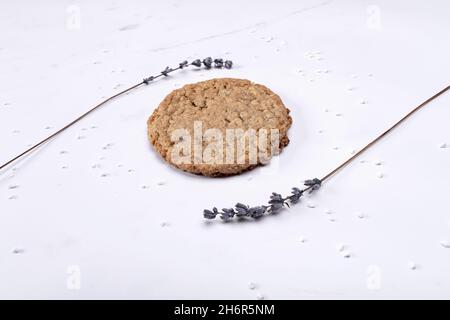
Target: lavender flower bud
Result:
[241, 210]
[218, 63]
[208, 214]
[166, 71]
[229, 211]
[197, 63]
[256, 212]
[296, 194]
[276, 202]
[275, 197]
[147, 80]
[227, 214]
[240, 205]
[276, 207]
[183, 64]
[207, 62]
[314, 184]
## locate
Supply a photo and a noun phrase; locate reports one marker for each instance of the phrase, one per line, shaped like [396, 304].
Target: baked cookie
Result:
[219, 127]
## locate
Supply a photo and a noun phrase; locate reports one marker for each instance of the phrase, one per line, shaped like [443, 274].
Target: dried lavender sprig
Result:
[277, 202]
[207, 62]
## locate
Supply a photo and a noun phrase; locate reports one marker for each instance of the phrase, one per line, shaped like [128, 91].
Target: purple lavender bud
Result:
[207, 62]
[227, 214]
[256, 212]
[240, 205]
[218, 63]
[275, 198]
[197, 63]
[228, 64]
[229, 211]
[276, 207]
[241, 210]
[166, 71]
[147, 80]
[314, 184]
[296, 194]
[183, 64]
[208, 214]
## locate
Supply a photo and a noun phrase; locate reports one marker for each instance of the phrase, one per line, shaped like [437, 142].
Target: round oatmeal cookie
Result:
[219, 127]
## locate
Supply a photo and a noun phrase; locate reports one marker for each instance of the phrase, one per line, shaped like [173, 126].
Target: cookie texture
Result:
[222, 105]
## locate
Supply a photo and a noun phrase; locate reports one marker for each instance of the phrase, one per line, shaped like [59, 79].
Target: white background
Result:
[87, 223]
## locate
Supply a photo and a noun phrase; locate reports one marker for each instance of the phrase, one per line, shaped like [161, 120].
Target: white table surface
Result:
[68, 231]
